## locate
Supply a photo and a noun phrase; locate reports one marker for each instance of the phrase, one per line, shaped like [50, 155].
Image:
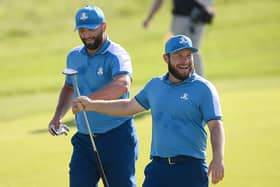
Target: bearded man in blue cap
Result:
[182, 103]
[104, 72]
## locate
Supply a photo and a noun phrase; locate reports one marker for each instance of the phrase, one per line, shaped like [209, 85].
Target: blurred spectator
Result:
[189, 18]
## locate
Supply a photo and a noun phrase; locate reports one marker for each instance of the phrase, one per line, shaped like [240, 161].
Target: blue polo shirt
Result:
[94, 72]
[179, 114]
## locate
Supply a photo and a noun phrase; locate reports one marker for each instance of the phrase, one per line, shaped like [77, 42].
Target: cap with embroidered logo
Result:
[177, 43]
[89, 17]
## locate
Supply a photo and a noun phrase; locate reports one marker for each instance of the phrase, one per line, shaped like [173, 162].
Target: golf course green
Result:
[241, 54]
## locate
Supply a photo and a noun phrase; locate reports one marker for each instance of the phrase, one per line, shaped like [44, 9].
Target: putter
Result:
[72, 72]
[63, 129]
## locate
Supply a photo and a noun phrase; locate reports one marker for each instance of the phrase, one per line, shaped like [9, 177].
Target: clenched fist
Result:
[80, 104]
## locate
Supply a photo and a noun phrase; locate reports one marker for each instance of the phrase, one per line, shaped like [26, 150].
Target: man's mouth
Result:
[183, 67]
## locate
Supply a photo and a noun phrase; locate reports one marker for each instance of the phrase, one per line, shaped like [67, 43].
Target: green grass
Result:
[242, 59]
[32, 157]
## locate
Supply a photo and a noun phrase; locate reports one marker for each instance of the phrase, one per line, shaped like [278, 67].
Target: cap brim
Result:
[194, 50]
[87, 26]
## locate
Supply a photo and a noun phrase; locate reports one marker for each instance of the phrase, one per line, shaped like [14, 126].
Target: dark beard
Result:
[175, 73]
[97, 42]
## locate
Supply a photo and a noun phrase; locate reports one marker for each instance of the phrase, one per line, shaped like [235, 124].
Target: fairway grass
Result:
[31, 157]
[241, 52]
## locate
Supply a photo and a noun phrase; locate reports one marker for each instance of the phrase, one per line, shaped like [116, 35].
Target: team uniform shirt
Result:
[94, 72]
[180, 112]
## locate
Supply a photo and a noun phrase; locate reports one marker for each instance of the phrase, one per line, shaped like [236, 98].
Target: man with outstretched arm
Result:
[181, 104]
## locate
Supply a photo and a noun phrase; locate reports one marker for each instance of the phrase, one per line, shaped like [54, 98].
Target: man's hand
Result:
[217, 137]
[80, 104]
[55, 123]
[64, 103]
[63, 129]
[216, 170]
[146, 22]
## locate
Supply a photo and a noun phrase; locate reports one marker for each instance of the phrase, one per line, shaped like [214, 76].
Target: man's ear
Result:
[104, 27]
[165, 57]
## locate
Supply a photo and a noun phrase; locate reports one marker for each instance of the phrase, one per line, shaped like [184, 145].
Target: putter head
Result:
[69, 71]
[63, 129]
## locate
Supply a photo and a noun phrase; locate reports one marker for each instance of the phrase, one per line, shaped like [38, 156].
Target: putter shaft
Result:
[99, 163]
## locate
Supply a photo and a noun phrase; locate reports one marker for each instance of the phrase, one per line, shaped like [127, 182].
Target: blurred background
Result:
[241, 54]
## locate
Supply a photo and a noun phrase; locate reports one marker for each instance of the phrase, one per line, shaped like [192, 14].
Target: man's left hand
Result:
[216, 170]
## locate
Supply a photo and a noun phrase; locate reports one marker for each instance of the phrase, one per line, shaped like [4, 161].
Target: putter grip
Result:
[101, 170]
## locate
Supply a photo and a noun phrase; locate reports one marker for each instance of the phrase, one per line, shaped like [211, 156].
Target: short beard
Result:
[96, 44]
[172, 70]
[175, 73]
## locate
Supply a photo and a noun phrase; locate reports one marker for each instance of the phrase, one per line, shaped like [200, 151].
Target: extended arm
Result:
[154, 8]
[64, 103]
[119, 86]
[121, 107]
[217, 136]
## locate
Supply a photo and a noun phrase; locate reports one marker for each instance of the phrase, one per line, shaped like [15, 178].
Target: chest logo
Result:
[184, 96]
[100, 71]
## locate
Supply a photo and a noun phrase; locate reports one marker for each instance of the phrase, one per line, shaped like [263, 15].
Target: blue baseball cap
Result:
[89, 17]
[177, 43]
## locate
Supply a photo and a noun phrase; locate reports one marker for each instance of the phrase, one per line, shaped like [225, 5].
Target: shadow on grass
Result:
[71, 123]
